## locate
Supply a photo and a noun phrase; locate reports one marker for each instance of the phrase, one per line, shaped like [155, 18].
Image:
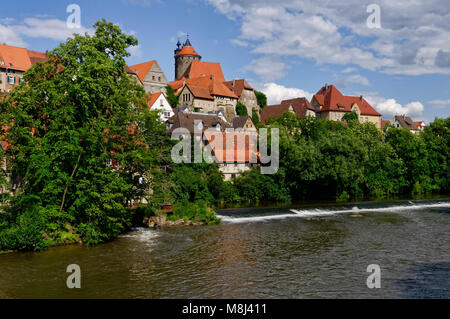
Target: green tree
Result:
[76, 113]
[255, 117]
[241, 109]
[261, 98]
[173, 99]
[350, 117]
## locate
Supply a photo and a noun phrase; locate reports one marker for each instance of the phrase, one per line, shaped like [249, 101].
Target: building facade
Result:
[152, 76]
[245, 93]
[330, 104]
[14, 62]
[159, 102]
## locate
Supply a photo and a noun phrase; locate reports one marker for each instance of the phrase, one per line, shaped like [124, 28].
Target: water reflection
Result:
[306, 256]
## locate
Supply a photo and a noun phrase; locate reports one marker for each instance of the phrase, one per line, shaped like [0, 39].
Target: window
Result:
[11, 80]
[159, 79]
[167, 114]
[21, 80]
[109, 162]
[153, 78]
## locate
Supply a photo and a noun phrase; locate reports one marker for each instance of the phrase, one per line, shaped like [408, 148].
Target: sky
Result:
[394, 53]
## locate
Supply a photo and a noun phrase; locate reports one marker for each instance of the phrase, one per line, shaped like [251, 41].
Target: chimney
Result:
[362, 98]
[326, 86]
[212, 77]
[234, 82]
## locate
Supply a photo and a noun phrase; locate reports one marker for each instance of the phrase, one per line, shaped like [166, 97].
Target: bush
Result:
[25, 235]
[241, 109]
[196, 212]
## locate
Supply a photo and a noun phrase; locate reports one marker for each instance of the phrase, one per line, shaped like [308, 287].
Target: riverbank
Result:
[252, 254]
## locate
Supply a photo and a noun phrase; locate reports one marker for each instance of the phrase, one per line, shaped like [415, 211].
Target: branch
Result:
[68, 182]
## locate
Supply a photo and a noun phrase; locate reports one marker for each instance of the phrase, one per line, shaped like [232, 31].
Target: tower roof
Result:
[188, 49]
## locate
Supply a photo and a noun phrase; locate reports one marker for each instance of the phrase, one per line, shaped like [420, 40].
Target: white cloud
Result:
[267, 68]
[354, 79]
[9, 36]
[54, 29]
[440, 104]
[390, 107]
[276, 93]
[48, 28]
[413, 39]
[349, 70]
[135, 51]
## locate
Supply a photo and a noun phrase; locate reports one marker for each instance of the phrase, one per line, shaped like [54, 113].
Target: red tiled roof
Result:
[188, 50]
[206, 88]
[19, 59]
[384, 123]
[299, 106]
[176, 85]
[205, 69]
[152, 98]
[142, 69]
[238, 153]
[237, 86]
[331, 99]
[36, 56]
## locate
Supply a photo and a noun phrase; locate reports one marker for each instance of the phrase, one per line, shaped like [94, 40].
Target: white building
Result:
[159, 102]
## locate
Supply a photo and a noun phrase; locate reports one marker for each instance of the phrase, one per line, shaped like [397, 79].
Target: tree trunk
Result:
[68, 182]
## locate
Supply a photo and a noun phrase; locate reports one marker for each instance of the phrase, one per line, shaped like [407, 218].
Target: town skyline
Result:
[220, 36]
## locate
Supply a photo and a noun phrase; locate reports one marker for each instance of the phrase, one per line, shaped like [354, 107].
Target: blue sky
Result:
[285, 48]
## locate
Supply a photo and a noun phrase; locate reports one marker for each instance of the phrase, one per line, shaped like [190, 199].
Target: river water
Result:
[307, 251]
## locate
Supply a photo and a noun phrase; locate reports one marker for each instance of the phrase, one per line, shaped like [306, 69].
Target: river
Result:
[304, 251]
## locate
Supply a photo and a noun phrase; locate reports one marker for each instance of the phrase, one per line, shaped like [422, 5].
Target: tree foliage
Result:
[76, 113]
[241, 109]
[261, 98]
[171, 97]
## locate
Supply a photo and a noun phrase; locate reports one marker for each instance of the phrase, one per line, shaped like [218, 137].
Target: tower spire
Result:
[188, 42]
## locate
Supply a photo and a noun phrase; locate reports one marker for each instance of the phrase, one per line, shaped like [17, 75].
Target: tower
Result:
[184, 57]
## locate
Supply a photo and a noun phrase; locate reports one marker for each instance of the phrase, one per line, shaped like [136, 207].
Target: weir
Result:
[322, 212]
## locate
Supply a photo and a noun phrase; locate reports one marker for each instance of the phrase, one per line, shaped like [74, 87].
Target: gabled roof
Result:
[406, 122]
[299, 106]
[36, 56]
[331, 99]
[143, 69]
[207, 88]
[237, 86]
[178, 84]
[239, 122]
[152, 98]
[205, 69]
[187, 120]
[19, 59]
[200, 92]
